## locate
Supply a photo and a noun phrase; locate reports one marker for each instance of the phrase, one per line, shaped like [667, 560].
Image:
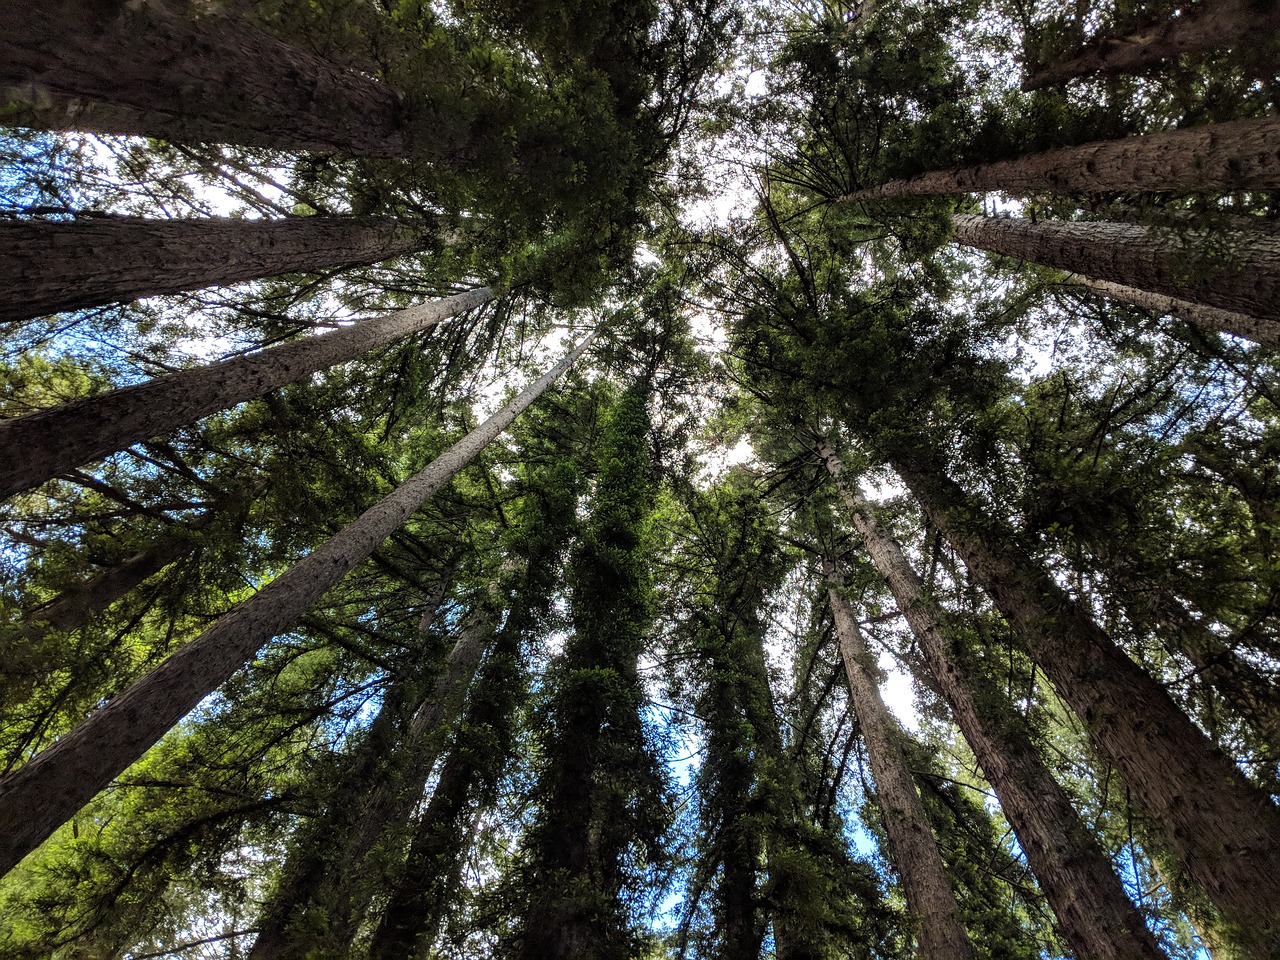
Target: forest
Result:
[640, 479]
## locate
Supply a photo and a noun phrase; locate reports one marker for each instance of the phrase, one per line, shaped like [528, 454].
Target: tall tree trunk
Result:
[1266, 332]
[1206, 25]
[323, 892]
[1094, 913]
[48, 267]
[1242, 155]
[44, 444]
[40, 796]
[184, 72]
[930, 897]
[1231, 270]
[1224, 831]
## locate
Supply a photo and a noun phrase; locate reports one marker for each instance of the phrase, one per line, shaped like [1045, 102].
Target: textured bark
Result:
[1266, 332]
[1206, 25]
[48, 267]
[928, 890]
[1231, 270]
[1095, 915]
[40, 796]
[320, 900]
[42, 445]
[185, 72]
[1223, 831]
[1243, 155]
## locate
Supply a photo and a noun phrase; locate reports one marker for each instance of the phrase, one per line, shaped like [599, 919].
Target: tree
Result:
[68, 774]
[52, 441]
[43, 262]
[1217, 157]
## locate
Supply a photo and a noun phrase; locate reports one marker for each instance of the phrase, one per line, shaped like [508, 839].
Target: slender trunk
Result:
[1241, 155]
[42, 445]
[1094, 913]
[1232, 270]
[48, 267]
[40, 796]
[929, 894]
[1207, 318]
[1206, 25]
[322, 896]
[184, 72]
[1223, 830]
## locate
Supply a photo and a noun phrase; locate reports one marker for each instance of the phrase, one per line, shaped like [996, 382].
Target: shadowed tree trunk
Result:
[1231, 270]
[37, 798]
[42, 445]
[186, 72]
[1242, 325]
[1224, 831]
[928, 890]
[1206, 25]
[48, 267]
[1094, 913]
[1243, 155]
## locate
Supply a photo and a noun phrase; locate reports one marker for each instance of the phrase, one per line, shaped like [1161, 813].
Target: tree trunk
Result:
[1224, 831]
[1231, 270]
[1206, 25]
[42, 445]
[930, 897]
[187, 73]
[1094, 913]
[40, 796]
[320, 898]
[49, 267]
[1207, 318]
[1242, 155]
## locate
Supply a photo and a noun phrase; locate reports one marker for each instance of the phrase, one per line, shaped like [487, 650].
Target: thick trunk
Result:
[1094, 913]
[42, 445]
[1207, 25]
[184, 72]
[40, 796]
[48, 267]
[928, 890]
[1231, 270]
[1243, 155]
[322, 896]
[1266, 332]
[1224, 831]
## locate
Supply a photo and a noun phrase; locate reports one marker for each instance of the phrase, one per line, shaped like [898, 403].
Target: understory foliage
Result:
[589, 700]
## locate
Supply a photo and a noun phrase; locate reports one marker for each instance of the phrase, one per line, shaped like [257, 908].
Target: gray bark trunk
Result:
[1243, 155]
[184, 72]
[49, 267]
[1206, 25]
[42, 445]
[925, 883]
[1095, 915]
[1231, 270]
[40, 796]
[1207, 318]
[1224, 831]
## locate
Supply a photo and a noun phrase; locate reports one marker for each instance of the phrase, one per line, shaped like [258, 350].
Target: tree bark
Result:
[40, 796]
[182, 72]
[1224, 831]
[925, 883]
[1206, 25]
[1242, 155]
[42, 445]
[48, 267]
[1231, 270]
[1241, 325]
[1095, 915]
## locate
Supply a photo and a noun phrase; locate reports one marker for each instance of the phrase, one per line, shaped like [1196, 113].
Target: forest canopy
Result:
[640, 480]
